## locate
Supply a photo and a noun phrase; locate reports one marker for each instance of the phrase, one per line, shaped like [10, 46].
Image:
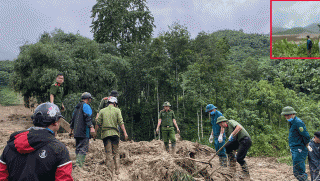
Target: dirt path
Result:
[144, 160]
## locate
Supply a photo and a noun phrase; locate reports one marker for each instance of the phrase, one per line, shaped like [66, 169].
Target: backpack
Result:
[310, 44]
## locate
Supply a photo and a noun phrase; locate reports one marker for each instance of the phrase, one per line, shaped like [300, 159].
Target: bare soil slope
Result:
[145, 160]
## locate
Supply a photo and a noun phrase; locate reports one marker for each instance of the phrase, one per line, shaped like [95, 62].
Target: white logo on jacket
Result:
[43, 154]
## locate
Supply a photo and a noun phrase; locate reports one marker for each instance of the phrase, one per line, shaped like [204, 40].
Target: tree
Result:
[122, 23]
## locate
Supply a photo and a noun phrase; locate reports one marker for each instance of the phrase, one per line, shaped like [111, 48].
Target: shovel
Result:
[196, 173]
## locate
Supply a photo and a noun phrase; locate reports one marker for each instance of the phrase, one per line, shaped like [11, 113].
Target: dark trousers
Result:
[242, 146]
[82, 146]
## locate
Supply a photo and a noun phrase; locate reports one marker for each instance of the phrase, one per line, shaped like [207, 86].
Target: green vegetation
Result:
[227, 68]
[8, 97]
[283, 48]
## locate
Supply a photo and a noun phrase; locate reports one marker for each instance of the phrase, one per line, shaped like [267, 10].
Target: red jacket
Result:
[35, 154]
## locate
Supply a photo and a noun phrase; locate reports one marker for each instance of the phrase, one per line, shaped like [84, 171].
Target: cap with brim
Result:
[221, 119]
[288, 110]
[210, 107]
[317, 134]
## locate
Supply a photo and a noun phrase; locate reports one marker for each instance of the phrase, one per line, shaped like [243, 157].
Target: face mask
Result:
[290, 119]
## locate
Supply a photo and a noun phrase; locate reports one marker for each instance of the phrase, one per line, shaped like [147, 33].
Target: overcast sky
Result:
[26, 20]
[295, 13]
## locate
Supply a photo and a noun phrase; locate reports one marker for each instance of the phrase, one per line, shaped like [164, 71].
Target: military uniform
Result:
[57, 90]
[241, 142]
[167, 128]
[103, 103]
[314, 160]
[298, 140]
[109, 119]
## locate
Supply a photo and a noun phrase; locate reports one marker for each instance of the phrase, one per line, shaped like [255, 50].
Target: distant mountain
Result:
[278, 29]
[296, 30]
[4, 55]
[313, 28]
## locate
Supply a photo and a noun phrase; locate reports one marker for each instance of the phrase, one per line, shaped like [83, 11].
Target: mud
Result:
[147, 160]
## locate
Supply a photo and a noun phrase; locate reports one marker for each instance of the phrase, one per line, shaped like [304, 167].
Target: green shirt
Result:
[231, 126]
[103, 103]
[166, 118]
[110, 117]
[57, 91]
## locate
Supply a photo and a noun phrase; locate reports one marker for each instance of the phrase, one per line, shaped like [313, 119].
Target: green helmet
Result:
[288, 110]
[166, 104]
[221, 119]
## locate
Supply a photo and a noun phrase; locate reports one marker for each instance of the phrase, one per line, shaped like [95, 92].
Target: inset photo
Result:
[295, 30]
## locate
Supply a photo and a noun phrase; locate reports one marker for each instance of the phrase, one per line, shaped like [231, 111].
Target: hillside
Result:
[296, 30]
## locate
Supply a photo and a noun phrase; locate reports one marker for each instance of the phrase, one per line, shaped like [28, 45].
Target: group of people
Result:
[239, 140]
[38, 148]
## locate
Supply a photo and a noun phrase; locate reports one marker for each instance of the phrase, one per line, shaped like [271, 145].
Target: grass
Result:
[8, 97]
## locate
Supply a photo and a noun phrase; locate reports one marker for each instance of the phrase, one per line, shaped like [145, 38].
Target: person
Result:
[35, 153]
[167, 120]
[218, 133]
[82, 127]
[309, 46]
[239, 139]
[314, 157]
[109, 119]
[319, 45]
[57, 91]
[298, 142]
[104, 101]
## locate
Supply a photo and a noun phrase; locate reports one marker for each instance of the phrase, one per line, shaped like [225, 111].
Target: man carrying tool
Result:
[167, 120]
[82, 127]
[314, 157]
[109, 119]
[239, 140]
[35, 153]
[298, 142]
[218, 134]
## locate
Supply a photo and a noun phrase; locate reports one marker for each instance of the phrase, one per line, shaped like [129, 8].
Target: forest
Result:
[228, 68]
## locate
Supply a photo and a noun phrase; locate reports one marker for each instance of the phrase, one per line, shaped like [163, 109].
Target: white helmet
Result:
[113, 100]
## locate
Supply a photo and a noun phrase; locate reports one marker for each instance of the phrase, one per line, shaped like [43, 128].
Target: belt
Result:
[167, 126]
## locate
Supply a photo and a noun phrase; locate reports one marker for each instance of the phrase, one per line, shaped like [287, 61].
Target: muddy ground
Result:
[145, 160]
[296, 38]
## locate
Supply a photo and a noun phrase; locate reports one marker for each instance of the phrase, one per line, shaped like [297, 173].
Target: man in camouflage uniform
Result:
[167, 120]
[56, 92]
[109, 119]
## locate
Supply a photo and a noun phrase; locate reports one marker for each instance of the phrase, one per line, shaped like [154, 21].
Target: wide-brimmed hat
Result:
[221, 119]
[288, 110]
[210, 107]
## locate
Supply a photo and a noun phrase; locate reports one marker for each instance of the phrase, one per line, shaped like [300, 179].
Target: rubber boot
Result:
[232, 164]
[245, 172]
[80, 160]
[223, 161]
[166, 147]
[173, 150]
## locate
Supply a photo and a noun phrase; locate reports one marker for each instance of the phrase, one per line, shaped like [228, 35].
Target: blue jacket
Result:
[309, 44]
[298, 134]
[215, 127]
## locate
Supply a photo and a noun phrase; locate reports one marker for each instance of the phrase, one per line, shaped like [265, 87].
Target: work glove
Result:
[309, 148]
[231, 138]
[220, 138]
[178, 130]
[157, 130]
[211, 139]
